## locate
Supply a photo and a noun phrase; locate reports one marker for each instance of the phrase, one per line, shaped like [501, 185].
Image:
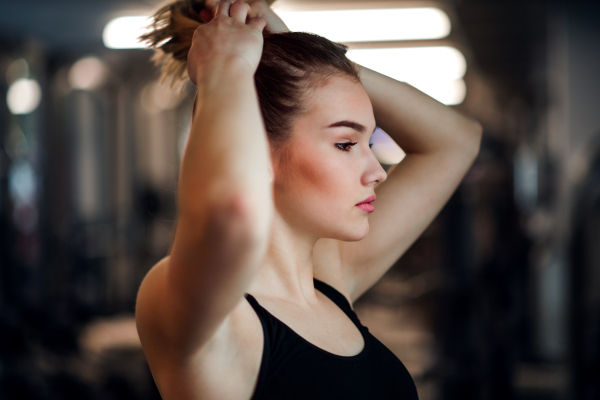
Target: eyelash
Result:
[342, 147]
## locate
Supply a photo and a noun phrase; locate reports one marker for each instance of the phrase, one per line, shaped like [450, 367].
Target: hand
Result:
[258, 8]
[231, 35]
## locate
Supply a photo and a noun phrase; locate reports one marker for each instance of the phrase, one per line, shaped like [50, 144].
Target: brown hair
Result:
[291, 63]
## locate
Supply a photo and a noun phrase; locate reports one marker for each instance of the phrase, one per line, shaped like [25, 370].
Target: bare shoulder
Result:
[226, 367]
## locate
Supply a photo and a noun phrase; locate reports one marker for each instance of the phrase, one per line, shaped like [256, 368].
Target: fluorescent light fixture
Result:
[404, 63]
[435, 70]
[23, 96]
[370, 24]
[123, 32]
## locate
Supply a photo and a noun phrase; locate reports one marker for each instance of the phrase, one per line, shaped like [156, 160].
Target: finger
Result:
[211, 6]
[206, 15]
[239, 11]
[258, 23]
[256, 10]
[223, 8]
[274, 23]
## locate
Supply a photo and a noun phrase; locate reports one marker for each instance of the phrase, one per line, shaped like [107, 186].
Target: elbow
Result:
[476, 128]
[472, 128]
[478, 135]
[240, 216]
[474, 131]
[225, 203]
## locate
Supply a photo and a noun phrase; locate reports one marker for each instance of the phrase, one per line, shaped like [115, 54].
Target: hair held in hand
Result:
[171, 34]
[291, 63]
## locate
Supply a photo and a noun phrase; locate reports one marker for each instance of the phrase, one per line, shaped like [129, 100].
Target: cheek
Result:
[316, 189]
[321, 177]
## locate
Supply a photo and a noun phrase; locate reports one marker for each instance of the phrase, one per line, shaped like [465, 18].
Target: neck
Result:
[287, 268]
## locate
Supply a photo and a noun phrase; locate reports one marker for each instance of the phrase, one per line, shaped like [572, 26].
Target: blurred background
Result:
[498, 299]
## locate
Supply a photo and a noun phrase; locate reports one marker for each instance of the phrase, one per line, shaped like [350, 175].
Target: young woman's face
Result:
[321, 176]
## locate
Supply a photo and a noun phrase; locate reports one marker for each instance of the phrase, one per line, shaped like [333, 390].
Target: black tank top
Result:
[292, 368]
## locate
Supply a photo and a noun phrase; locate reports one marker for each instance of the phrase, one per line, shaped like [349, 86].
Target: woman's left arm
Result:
[440, 145]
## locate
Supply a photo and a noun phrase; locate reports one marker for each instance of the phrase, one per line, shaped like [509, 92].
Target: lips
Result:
[366, 205]
[368, 199]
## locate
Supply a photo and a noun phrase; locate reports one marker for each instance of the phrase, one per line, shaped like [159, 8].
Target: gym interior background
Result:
[498, 299]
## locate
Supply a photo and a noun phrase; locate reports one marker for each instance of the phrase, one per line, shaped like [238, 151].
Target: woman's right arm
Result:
[225, 195]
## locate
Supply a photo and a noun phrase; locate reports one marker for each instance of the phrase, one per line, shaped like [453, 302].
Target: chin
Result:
[353, 234]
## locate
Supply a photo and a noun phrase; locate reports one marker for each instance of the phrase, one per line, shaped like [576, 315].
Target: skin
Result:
[253, 221]
[322, 175]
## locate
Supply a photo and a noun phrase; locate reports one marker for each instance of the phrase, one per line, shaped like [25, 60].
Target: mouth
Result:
[366, 205]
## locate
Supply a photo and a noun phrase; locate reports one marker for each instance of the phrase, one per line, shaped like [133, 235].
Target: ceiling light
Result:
[435, 70]
[405, 63]
[370, 24]
[23, 96]
[124, 32]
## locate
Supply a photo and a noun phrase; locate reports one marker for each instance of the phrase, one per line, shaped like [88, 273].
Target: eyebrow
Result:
[349, 124]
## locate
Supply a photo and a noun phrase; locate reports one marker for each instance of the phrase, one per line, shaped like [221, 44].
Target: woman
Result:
[279, 231]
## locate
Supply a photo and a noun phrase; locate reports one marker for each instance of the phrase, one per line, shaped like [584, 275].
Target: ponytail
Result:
[172, 29]
[292, 63]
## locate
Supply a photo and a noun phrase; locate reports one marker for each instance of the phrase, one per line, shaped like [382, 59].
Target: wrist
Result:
[233, 69]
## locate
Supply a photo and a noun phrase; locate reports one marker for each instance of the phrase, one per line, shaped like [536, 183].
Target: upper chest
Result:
[323, 325]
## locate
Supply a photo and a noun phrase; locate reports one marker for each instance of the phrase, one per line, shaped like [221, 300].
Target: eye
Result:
[370, 145]
[345, 146]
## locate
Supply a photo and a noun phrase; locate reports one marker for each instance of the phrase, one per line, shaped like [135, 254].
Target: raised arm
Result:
[225, 199]
[440, 145]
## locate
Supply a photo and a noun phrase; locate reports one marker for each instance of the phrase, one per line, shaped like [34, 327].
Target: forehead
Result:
[339, 98]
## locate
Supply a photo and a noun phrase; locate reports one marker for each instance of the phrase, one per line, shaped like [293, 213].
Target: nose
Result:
[374, 172]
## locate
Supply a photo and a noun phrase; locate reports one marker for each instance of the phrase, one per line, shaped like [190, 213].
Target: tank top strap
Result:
[266, 319]
[337, 297]
[267, 322]
[257, 307]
